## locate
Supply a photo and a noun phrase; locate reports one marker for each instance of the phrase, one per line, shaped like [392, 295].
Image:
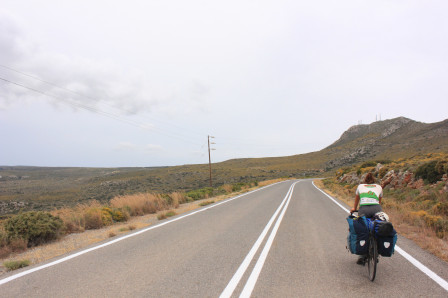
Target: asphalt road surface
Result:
[285, 240]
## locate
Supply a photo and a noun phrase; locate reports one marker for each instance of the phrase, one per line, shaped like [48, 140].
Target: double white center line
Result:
[250, 284]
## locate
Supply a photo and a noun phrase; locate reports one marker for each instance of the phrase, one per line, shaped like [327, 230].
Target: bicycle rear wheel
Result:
[372, 258]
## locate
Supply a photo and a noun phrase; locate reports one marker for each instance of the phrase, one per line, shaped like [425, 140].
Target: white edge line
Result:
[228, 291]
[21, 274]
[250, 284]
[443, 283]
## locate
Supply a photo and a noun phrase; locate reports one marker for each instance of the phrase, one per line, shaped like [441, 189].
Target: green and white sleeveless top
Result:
[369, 194]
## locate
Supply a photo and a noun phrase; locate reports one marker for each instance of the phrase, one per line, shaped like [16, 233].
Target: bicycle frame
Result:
[372, 255]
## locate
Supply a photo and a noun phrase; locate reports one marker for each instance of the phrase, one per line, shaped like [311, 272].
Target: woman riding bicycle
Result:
[368, 196]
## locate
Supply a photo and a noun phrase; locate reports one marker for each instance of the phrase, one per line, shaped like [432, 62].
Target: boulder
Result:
[350, 178]
[408, 177]
[417, 184]
[378, 167]
[386, 182]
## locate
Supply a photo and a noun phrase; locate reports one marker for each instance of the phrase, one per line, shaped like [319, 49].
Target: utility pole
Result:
[209, 158]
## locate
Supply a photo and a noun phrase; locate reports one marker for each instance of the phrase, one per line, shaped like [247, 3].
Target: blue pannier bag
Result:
[386, 237]
[358, 236]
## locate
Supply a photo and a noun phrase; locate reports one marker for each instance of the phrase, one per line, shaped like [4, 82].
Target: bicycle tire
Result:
[372, 258]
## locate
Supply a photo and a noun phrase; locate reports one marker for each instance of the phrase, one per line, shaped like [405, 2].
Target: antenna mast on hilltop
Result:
[376, 118]
[209, 158]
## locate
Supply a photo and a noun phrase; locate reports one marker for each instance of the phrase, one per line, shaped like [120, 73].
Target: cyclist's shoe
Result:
[361, 260]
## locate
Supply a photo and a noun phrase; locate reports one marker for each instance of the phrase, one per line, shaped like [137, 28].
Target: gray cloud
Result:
[276, 78]
[93, 82]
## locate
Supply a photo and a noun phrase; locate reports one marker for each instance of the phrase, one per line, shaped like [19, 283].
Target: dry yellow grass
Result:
[82, 217]
[227, 187]
[177, 199]
[140, 204]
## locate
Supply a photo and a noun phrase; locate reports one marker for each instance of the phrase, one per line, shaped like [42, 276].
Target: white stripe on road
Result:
[23, 273]
[249, 287]
[443, 283]
[228, 291]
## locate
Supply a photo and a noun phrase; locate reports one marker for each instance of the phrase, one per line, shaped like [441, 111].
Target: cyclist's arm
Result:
[356, 204]
[381, 199]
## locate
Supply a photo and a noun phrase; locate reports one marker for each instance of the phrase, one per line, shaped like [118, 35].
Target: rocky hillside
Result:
[428, 171]
[395, 138]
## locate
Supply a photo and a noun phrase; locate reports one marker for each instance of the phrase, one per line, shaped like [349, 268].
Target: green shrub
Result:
[441, 208]
[442, 167]
[3, 238]
[206, 203]
[382, 172]
[238, 186]
[170, 213]
[4, 249]
[161, 216]
[14, 265]
[200, 193]
[166, 215]
[109, 215]
[36, 227]
[428, 172]
[106, 217]
[118, 215]
[383, 161]
[368, 164]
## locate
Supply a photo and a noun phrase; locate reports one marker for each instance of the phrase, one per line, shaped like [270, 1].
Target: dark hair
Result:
[369, 179]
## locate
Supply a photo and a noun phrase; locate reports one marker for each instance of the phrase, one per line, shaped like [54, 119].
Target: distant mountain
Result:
[395, 138]
[389, 139]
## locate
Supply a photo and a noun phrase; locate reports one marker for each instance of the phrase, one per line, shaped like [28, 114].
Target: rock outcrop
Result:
[393, 179]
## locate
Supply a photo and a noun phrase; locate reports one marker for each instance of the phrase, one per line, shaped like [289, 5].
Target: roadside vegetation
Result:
[206, 203]
[415, 195]
[44, 189]
[29, 229]
[14, 265]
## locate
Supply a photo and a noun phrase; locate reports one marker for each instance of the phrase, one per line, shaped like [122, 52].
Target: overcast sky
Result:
[142, 83]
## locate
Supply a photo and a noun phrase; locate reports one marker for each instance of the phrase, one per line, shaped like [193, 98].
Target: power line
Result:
[96, 110]
[88, 97]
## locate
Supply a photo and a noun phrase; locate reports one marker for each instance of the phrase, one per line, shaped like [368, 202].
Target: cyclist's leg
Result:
[361, 260]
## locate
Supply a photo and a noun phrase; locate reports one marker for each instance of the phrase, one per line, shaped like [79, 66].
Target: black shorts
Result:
[369, 210]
